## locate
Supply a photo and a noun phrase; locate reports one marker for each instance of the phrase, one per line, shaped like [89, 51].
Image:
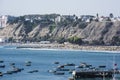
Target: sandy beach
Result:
[68, 47]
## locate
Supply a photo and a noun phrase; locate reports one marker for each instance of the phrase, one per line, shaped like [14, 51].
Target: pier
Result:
[94, 74]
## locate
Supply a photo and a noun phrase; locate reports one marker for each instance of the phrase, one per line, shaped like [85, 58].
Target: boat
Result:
[2, 66]
[28, 63]
[56, 62]
[15, 70]
[69, 64]
[1, 61]
[62, 69]
[12, 64]
[59, 73]
[32, 71]
[51, 71]
[1, 74]
[61, 66]
[9, 72]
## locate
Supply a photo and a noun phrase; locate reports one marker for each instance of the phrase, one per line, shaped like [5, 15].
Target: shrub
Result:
[75, 40]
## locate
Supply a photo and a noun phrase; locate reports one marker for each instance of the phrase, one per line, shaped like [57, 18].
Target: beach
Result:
[67, 47]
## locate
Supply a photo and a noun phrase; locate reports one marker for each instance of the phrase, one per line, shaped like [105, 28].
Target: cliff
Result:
[91, 33]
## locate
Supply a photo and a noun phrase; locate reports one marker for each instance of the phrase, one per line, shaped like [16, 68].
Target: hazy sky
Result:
[78, 7]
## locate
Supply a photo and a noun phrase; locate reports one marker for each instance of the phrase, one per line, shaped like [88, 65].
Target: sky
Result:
[63, 7]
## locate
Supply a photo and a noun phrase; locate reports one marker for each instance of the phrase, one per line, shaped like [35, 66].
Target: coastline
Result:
[56, 46]
[46, 49]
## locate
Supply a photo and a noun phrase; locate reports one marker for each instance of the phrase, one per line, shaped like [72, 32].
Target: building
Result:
[57, 19]
[3, 39]
[3, 21]
[86, 18]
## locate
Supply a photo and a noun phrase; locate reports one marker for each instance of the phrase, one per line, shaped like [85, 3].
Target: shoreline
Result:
[45, 49]
[56, 46]
[63, 47]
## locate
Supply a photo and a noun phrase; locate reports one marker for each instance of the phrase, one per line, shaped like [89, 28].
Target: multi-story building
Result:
[3, 21]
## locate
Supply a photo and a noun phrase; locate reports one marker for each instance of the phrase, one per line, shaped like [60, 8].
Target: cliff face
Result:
[99, 33]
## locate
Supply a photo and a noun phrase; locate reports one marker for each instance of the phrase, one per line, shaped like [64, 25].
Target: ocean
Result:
[43, 60]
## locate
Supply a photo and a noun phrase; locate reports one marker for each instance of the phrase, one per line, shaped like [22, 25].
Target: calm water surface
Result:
[43, 60]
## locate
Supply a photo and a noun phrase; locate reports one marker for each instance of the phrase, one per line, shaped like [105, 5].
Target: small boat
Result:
[28, 63]
[102, 66]
[12, 64]
[61, 66]
[14, 70]
[85, 65]
[59, 73]
[9, 72]
[1, 74]
[62, 69]
[2, 66]
[70, 64]
[79, 67]
[51, 71]
[1, 61]
[17, 69]
[56, 62]
[32, 71]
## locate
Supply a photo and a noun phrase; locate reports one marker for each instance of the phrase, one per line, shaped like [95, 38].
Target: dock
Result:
[94, 74]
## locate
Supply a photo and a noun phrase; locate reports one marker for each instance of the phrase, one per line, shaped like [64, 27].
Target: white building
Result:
[86, 18]
[58, 19]
[3, 21]
[3, 39]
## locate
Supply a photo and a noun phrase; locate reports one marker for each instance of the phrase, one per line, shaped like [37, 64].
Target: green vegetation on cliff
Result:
[75, 40]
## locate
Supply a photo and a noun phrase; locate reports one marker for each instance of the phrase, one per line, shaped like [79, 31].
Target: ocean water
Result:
[43, 60]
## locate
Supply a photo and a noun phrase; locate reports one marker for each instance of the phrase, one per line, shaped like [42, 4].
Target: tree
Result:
[75, 40]
[52, 27]
[61, 40]
[111, 15]
[115, 40]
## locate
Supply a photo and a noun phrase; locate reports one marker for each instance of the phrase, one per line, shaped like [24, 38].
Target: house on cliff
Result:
[87, 18]
[3, 21]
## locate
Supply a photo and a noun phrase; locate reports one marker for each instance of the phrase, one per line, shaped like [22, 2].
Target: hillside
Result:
[50, 28]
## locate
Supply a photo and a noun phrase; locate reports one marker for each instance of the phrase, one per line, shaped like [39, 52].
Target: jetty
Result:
[94, 74]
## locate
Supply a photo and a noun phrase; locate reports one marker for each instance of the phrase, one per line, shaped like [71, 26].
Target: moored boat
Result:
[1, 74]
[2, 66]
[59, 73]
